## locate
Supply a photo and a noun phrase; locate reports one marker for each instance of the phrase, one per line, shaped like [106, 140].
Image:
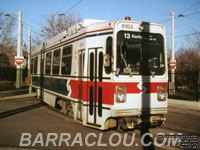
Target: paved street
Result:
[28, 115]
[183, 119]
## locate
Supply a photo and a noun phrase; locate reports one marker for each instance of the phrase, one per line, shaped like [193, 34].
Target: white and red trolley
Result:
[105, 73]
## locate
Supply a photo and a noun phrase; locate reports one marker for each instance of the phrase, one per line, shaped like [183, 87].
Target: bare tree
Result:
[36, 41]
[188, 59]
[57, 23]
[7, 21]
[194, 40]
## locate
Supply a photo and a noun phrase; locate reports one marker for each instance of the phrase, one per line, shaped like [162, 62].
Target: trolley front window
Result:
[140, 53]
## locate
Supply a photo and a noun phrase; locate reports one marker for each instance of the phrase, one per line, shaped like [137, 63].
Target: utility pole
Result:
[22, 50]
[19, 49]
[173, 57]
[29, 59]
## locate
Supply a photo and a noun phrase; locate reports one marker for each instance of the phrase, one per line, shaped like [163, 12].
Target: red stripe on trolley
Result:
[81, 90]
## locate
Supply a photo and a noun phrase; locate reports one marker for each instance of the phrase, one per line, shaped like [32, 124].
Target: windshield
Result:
[140, 53]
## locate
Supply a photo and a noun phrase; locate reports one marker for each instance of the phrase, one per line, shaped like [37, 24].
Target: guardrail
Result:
[8, 78]
[186, 86]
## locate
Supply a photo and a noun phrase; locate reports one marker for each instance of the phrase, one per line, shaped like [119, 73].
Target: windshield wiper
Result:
[122, 56]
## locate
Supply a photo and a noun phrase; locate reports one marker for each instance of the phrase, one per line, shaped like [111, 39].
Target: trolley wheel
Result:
[65, 107]
[70, 111]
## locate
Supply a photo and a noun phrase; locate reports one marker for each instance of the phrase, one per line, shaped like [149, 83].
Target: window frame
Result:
[109, 50]
[35, 67]
[68, 56]
[50, 72]
[57, 73]
[32, 65]
[143, 41]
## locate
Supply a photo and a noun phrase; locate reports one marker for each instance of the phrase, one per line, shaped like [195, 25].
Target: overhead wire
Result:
[182, 13]
[34, 29]
[73, 6]
[193, 18]
[192, 14]
[179, 36]
[152, 7]
[24, 23]
[64, 5]
[183, 25]
[186, 16]
[57, 12]
[179, 17]
[162, 11]
[190, 7]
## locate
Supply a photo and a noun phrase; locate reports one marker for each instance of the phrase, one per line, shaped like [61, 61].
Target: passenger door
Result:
[95, 78]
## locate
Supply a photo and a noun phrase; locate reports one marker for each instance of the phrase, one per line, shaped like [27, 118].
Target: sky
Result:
[35, 12]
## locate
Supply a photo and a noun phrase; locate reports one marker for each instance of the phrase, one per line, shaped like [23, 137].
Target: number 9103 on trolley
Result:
[105, 73]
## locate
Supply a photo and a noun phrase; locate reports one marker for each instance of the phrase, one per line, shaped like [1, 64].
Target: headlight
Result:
[120, 93]
[162, 92]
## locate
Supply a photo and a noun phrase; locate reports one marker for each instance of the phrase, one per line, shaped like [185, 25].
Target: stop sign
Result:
[19, 60]
[172, 64]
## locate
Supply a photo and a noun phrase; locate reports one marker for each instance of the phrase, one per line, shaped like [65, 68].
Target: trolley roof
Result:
[87, 26]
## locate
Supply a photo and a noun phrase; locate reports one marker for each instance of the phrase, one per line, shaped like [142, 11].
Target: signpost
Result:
[172, 62]
[18, 59]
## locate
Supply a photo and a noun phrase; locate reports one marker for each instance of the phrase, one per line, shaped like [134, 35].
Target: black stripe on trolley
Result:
[67, 99]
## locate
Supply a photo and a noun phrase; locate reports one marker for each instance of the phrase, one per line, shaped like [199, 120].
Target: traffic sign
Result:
[172, 64]
[19, 60]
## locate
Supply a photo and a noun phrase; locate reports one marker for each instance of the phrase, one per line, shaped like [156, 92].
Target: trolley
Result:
[105, 73]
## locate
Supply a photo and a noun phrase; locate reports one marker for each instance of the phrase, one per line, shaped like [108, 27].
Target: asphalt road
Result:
[28, 122]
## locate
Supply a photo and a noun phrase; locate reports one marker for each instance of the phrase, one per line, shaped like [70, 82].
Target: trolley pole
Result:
[19, 49]
[29, 60]
[172, 56]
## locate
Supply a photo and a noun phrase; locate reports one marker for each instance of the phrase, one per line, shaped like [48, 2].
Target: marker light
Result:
[120, 93]
[162, 92]
[127, 18]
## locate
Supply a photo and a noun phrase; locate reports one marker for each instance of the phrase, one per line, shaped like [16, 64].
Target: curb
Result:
[18, 96]
[191, 104]
[13, 92]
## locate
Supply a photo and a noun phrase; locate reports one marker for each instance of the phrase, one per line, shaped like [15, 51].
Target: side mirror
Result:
[117, 72]
[106, 60]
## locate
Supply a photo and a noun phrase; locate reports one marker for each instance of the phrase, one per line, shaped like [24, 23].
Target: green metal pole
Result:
[18, 78]
[21, 77]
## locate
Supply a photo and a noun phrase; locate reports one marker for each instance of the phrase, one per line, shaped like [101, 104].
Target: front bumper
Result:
[139, 112]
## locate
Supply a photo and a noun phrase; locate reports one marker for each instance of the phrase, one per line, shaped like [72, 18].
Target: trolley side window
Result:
[56, 61]
[35, 65]
[32, 64]
[108, 69]
[48, 63]
[66, 60]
